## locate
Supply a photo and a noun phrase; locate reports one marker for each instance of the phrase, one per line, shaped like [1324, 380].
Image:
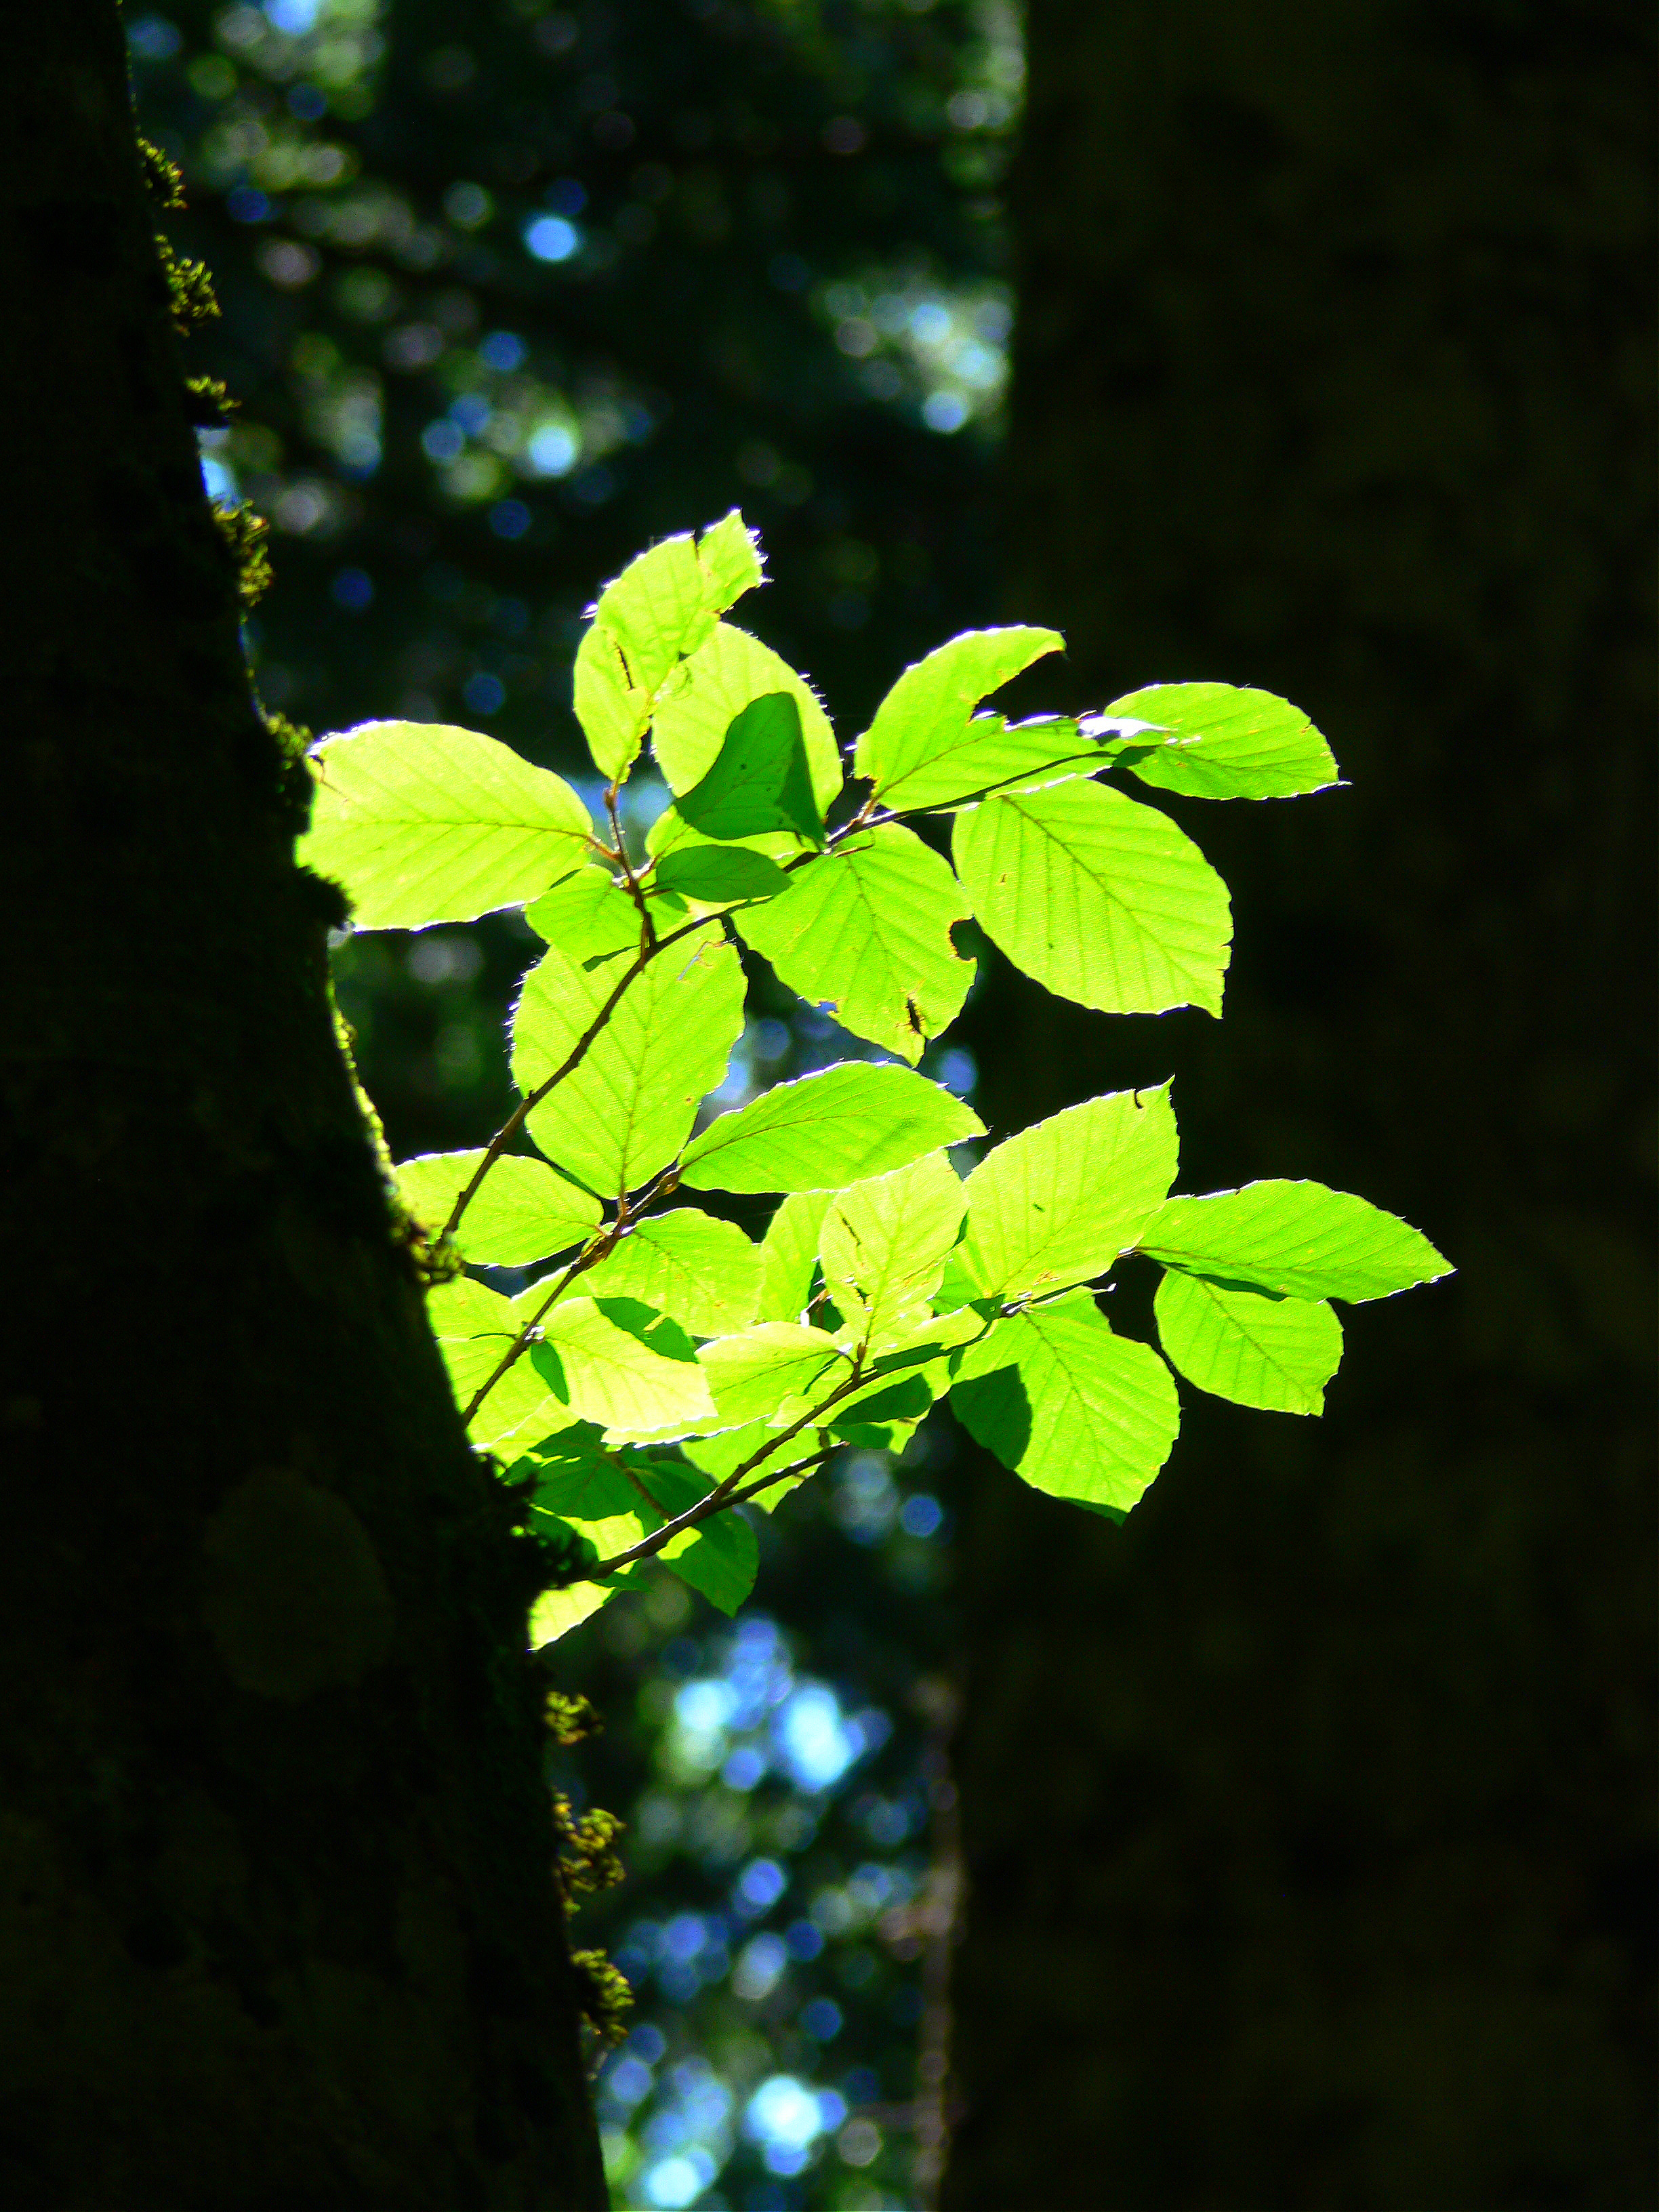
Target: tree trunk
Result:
[277, 1922]
[1306, 1817]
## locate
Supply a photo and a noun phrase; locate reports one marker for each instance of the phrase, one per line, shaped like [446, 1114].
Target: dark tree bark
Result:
[278, 1922]
[1307, 1818]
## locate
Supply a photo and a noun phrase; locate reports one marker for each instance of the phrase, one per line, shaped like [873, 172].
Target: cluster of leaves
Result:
[670, 1369]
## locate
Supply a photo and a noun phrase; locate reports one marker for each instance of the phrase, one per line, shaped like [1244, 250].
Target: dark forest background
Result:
[1306, 1820]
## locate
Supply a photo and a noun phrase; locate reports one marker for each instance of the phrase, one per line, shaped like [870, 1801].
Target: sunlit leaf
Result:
[422, 822]
[715, 874]
[1103, 901]
[476, 1328]
[1247, 1346]
[702, 698]
[523, 1211]
[704, 1272]
[1299, 1239]
[883, 1244]
[865, 933]
[631, 1102]
[758, 781]
[615, 1361]
[751, 1373]
[908, 750]
[789, 1254]
[827, 1130]
[1057, 1203]
[1249, 744]
[661, 608]
[1074, 1408]
[590, 918]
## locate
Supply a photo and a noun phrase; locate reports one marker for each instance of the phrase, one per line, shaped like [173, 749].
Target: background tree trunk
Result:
[1307, 1817]
[277, 1923]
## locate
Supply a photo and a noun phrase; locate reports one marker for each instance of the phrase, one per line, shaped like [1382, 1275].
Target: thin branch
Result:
[725, 1493]
[648, 928]
[588, 1257]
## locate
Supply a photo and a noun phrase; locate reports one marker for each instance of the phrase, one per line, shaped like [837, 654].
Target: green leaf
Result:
[827, 1130]
[661, 608]
[1076, 1410]
[523, 1211]
[589, 916]
[1299, 1239]
[705, 1274]
[789, 1254]
[924, 720]
[588, 1490]
[1250, 743]
[613, 1505]
[476, 1328]
[753, 1373]
[557, 1612]
[865, 933]
[721, 1454]
[884, 1243]
[992, 755]
[421, 823]
[758, 780]
[615, 1361]
[1258, 1349]
[1057, 1203]
[720, 1557]
[717, 874]
[729, 554]
[701, 700]
[1101, 900]
[629, 1104]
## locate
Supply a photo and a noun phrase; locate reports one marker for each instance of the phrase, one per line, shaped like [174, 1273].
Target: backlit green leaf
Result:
[1057, 1203]
[1078, 1410]
[589, 917]
[716, 874]
[615, 1361]
[883, 1244]
[865, 931]
[992, 755]
[476, 1328]
[827, 1130]
[1101, 900]
[523, 1211]
[758, 781]
[557, 1612]
[421, 823]
[1299, 1239]
[1250, 743]
[705, 1274]
[753, 1372]
[719, 1557]
[629, 1104]
[701, 699]
[789, 1254]
[923, 721]
[1258, 1349]
[661, 608]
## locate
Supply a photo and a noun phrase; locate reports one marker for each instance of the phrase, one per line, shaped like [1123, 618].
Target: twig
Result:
[648, 927]
[725, 1493]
